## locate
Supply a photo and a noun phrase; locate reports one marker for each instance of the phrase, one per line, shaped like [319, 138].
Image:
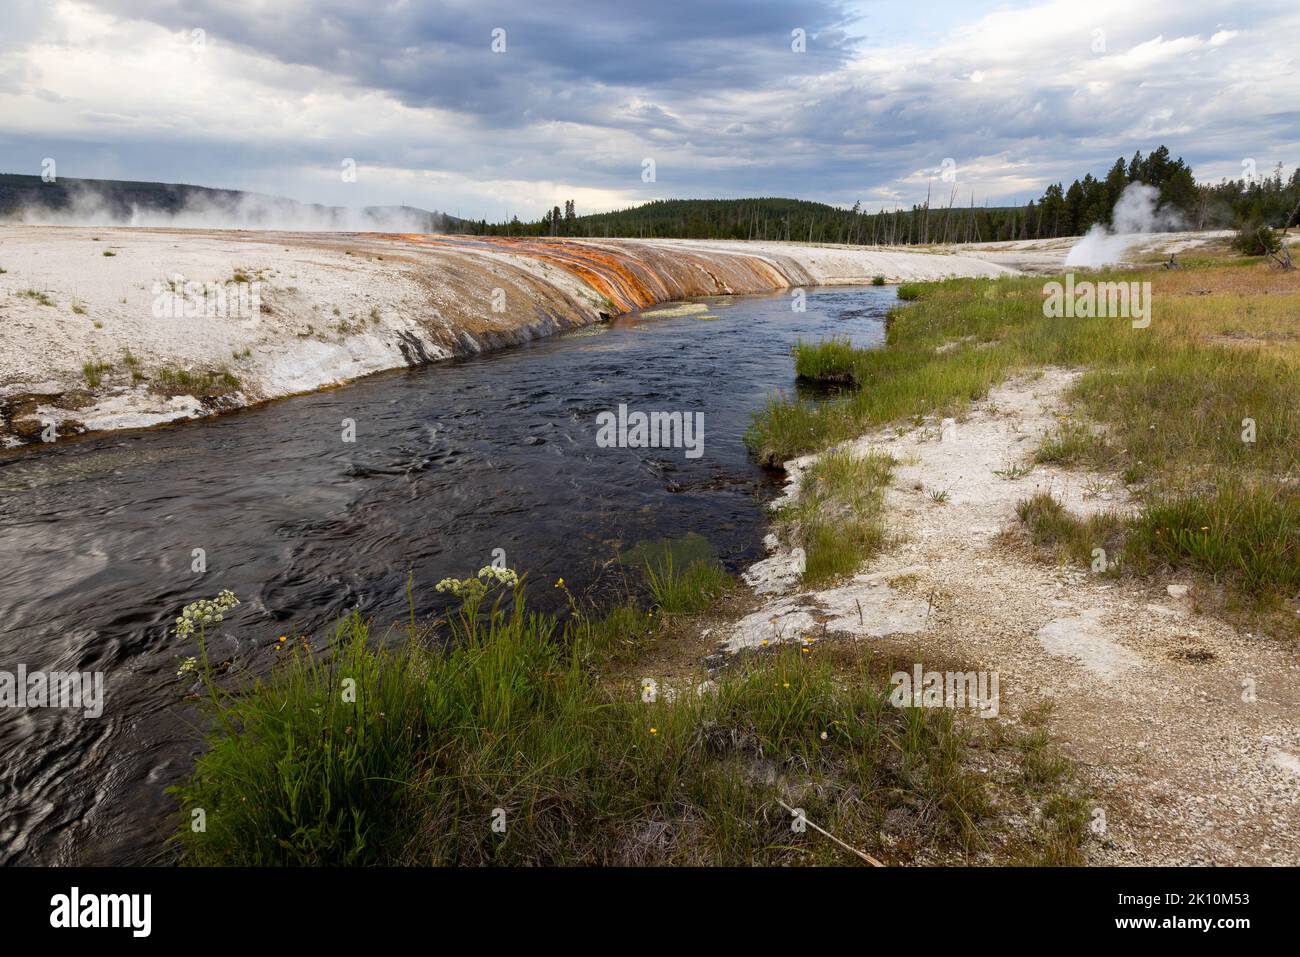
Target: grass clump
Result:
[836, 516]
[1243, 535]
[179, 381]
[684, 591]
[1071, 443]
[828, 362]
[1052, 527]
[132, 364]
[93, 372]
[37, 296]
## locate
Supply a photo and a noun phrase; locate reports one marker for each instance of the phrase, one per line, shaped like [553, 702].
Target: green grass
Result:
[202, 381]
[1065, 822]
[1242, 535]
[617, 637]
[836, 517]
[1163, 406]
[829, 362]
[1051, 526]
[877, 280]
[370, 754]
[109, 253]
[684, 591]
[891, 385]
[94, 372]
[1072, 443]
[37, 296]
[132, 364]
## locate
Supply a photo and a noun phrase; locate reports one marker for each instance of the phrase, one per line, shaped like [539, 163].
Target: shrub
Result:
[1257, 239]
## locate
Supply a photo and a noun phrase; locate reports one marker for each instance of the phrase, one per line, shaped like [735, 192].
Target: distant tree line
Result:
[1060, 211]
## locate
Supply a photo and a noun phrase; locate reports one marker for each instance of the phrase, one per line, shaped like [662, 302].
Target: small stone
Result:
[1177, 591]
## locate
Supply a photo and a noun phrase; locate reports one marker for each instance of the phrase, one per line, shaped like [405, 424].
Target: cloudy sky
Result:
[274, 96]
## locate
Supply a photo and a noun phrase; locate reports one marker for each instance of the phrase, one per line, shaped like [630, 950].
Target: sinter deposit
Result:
[104, 328]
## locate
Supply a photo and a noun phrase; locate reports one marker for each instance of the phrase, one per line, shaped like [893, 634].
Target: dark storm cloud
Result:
[567, 60]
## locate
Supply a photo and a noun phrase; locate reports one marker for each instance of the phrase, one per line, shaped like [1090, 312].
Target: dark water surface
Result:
[451, 461]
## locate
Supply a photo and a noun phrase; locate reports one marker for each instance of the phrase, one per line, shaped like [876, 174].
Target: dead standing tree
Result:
[1281, 259]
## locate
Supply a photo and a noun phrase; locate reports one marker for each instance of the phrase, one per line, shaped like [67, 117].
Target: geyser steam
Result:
[1136, 212]
[100, 203]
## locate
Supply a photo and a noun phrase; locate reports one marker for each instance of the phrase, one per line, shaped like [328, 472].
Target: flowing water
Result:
[450, 462]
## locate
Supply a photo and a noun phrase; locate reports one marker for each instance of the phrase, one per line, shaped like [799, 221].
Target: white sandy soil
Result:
[1150, 696]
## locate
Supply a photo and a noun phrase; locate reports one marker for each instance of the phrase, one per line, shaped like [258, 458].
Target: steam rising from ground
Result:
[1135, 213]
[194, 208]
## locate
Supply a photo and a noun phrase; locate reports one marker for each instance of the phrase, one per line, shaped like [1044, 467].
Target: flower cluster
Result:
[503, 576]
[204, 612]
[472, 589]
[468, 589]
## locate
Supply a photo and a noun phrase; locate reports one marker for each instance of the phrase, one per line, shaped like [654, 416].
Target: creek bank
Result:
[1143, 689]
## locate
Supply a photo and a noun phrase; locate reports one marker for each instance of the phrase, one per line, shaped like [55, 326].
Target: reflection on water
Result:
[450, 462]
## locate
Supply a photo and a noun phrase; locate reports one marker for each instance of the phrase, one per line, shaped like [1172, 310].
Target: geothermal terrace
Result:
[108, 328]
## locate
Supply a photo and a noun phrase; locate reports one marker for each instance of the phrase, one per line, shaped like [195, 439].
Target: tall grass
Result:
[836, 517]
[93, 372]
[831, 361]
[1051, 526]
[684, 591]
[503, 744]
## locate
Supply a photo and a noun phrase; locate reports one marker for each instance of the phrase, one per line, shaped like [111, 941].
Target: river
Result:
[450, 462]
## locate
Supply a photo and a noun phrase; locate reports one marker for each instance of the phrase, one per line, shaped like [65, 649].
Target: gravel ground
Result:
[1185, 730]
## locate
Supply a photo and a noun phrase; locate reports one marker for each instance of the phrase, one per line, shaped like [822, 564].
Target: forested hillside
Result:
[954, 213]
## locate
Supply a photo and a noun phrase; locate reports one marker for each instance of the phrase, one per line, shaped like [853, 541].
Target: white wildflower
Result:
[205, 612]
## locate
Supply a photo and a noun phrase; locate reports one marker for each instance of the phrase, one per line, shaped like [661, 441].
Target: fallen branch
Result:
[848, 847]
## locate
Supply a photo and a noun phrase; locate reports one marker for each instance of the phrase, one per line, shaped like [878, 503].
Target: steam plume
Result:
[1136, 212]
